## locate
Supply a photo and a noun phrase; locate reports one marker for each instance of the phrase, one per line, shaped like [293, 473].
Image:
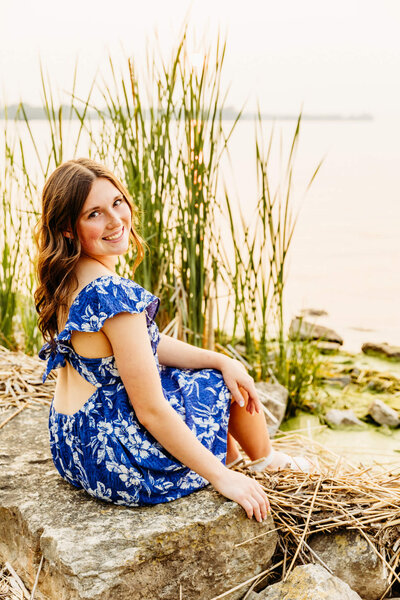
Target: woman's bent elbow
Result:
[147, 417]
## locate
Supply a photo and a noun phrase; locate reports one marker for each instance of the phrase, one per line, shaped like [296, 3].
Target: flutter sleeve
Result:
[106, 297]
[102, 299]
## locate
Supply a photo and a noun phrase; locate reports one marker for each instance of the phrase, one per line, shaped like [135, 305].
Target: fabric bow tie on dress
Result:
[54, 356]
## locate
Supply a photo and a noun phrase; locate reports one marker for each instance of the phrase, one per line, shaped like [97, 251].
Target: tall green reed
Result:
[204, 143]
[59, 132]
[298, 368]
[260, 246]
[31, 167]
[10, 244]
[163, 133]
[139, 126]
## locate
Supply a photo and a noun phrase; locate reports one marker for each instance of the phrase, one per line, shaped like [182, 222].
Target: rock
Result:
[303, 330]
[377, 385]
[328, 347]
[94, 550]
[340, 382]
[342, 418]
[383, 350]
[355, 373]
[314, 312]
[350, 557]
[383, 414]
[274, 397]
[309, 582]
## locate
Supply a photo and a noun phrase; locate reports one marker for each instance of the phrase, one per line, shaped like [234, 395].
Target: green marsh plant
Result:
[10, 243]
[163, 133]
[58, 119]
[259, 273]
[204, 143]
[21, 202]
[134, 140]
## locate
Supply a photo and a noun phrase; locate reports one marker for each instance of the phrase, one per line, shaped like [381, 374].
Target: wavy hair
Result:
[63, 197]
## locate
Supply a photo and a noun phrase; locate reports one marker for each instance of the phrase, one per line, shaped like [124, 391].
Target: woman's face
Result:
[104, 223]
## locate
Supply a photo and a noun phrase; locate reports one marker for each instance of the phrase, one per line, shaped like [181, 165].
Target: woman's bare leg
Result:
[252, 434]
[232, 451]
[249, 430]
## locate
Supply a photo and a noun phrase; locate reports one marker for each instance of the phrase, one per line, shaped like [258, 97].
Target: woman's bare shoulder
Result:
[85, 273]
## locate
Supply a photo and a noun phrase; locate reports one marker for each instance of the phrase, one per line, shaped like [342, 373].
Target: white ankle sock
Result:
[264, 462]
[296, 463]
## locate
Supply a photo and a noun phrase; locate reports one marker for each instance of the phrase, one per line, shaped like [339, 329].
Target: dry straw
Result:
[11, 585]
[21, 384]
[340, 496]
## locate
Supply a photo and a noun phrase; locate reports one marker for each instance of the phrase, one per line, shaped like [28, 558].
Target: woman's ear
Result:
[68, 234]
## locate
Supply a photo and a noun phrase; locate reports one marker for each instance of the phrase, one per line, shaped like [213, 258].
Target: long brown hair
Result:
[64, 195]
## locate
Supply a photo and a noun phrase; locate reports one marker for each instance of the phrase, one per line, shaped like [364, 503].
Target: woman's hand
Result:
[240, 384]
[245, 491]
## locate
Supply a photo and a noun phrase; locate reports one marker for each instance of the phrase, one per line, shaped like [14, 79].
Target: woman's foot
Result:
[277, 461]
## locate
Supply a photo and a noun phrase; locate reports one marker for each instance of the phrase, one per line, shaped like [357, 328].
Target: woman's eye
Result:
[117, 202]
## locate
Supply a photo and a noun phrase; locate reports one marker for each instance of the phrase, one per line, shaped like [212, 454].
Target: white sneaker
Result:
[277, 461]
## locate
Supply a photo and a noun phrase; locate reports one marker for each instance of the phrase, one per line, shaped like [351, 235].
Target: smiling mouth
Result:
[115, 236]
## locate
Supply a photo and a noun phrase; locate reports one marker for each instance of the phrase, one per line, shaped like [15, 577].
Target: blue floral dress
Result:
[102, 447]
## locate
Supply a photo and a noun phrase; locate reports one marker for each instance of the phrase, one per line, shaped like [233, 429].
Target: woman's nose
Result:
[113, 219]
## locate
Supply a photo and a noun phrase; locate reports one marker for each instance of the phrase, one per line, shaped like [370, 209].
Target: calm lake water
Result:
[345, 253]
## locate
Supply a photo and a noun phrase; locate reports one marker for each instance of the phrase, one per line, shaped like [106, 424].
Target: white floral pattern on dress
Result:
[103, 448]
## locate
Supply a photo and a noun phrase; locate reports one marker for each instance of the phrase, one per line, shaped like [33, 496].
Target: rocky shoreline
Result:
[61, 544]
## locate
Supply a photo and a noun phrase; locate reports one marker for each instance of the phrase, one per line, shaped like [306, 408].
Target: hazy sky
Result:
[341, 56]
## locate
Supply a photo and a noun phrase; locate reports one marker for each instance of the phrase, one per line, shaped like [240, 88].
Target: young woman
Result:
[137, 418]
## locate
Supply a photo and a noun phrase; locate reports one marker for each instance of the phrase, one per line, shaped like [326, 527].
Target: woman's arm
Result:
[174, 353]
[135, 362]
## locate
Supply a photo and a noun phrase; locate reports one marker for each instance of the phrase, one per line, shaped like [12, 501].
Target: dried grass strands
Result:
[340, 496]
[395, 563]
[21, 381]
[21, 408]
[32, 596]
[11, 585]
[255, 577]
[303, 535]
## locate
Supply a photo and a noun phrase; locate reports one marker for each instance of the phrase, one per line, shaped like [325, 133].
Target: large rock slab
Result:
[93, 550]
[309, 582]
[351, 558]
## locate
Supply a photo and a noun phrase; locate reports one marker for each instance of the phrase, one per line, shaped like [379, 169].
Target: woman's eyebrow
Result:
[97, 207]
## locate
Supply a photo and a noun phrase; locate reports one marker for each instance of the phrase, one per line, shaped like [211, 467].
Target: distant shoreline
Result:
[38, 113]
